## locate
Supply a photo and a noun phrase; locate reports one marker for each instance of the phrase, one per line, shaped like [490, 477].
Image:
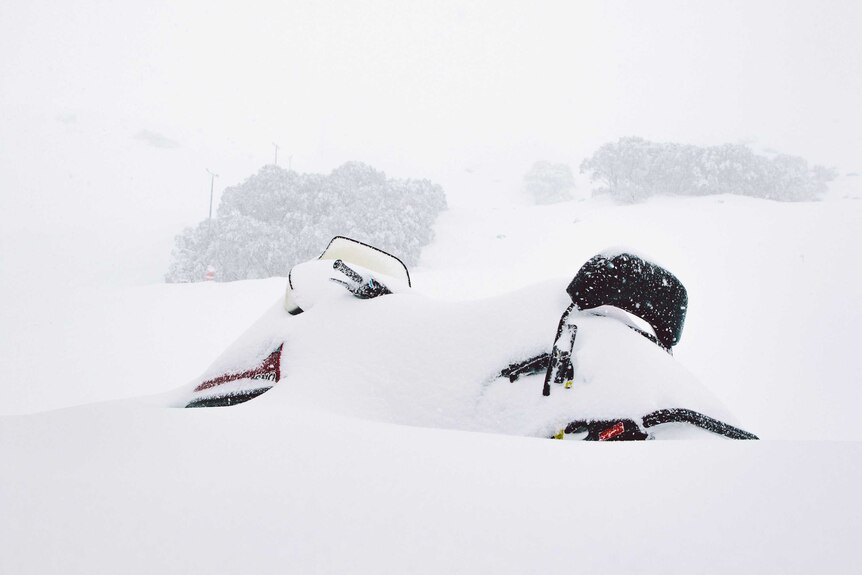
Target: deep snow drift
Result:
[408, 359]
[287, 483]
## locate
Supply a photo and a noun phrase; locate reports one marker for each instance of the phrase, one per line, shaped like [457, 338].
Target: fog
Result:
[110, 113]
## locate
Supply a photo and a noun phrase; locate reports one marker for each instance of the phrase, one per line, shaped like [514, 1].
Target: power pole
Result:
[276, 153]
[212, 185]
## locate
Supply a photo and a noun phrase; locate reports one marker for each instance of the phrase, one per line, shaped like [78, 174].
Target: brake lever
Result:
[365, 290]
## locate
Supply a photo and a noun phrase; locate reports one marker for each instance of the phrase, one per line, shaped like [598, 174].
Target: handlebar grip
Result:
[346, 270]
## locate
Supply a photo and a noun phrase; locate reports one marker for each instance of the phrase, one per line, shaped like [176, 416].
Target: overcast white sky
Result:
[111, 111]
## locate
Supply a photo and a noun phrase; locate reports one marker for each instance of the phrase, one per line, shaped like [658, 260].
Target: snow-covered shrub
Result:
[549, 183]
[278, 217]
[633, 169]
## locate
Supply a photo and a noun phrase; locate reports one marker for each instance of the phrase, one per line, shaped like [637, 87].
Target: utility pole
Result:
[276, 153]
[212, 185]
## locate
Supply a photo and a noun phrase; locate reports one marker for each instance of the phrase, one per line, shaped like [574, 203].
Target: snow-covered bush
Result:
[278, 217]
[633, 169]
[549, 183]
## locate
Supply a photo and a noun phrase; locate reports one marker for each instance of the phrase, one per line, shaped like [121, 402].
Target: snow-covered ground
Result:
[132, 487]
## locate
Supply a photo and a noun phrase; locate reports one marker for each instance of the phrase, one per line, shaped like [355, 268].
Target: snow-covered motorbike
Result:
[493, 365]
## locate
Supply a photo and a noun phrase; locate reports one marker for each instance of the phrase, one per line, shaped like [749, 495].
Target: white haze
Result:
[111, 112]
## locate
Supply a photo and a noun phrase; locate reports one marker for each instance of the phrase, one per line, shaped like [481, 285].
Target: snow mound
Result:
[408, 359]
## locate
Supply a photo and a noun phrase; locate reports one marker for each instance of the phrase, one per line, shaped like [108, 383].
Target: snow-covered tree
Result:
[549, 183]
[633, 169]
[277, 218]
